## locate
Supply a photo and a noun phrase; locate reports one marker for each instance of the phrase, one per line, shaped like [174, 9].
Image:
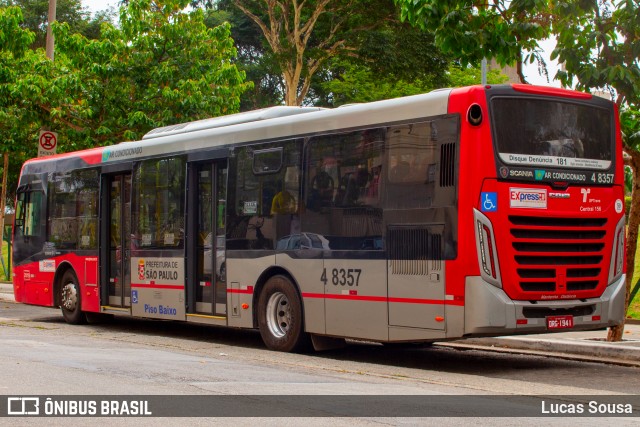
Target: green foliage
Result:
[506, 30]
[18, 114]
[254, 57]
[630, 125]
[36, 17]
[634, 305]
[369, 38]
[300, 37]
[6, 263]
[158, 67]
[598, 44]
[14, 40]
[357, 83]
[17, 87]
[466, 76]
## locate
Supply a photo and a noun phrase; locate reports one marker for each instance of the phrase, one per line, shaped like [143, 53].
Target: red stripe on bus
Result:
[383, 299]
[240, 291]
[155, 286]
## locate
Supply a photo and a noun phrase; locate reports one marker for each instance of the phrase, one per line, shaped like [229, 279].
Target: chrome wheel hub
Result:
[278, 314]
[69, 297]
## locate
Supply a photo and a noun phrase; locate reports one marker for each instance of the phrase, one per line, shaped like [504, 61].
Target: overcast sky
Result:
[96, 5]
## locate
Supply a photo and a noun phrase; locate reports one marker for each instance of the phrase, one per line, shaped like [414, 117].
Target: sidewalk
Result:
[589, 345]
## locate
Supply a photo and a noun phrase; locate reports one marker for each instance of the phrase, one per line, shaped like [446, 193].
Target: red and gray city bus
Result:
[478, 211]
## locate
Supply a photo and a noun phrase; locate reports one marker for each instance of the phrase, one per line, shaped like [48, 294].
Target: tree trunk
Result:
[616, 332]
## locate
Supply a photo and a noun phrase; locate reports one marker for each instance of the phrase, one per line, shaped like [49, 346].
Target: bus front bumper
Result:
[489, 311]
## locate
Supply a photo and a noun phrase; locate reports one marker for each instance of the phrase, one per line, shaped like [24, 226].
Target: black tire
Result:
[71, 300]
[280, 317]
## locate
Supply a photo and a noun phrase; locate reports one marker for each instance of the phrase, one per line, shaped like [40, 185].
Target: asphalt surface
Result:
[580, 345]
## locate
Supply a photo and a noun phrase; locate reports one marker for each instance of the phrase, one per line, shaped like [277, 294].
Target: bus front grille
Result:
[557, 255]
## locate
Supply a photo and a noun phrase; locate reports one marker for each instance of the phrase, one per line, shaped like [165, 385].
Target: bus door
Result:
[206, 259]
[415, 274]
[118, 229]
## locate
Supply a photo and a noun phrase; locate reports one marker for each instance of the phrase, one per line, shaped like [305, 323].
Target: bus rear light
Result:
[595, 318]
[486, 248]
[522, 321]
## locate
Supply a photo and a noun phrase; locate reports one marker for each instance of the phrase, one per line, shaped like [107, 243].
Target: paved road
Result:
[42, 355]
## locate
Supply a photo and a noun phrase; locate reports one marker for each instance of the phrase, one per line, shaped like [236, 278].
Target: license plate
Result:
[559, 322]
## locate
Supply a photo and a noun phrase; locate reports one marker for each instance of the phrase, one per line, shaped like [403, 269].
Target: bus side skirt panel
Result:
[243, 275]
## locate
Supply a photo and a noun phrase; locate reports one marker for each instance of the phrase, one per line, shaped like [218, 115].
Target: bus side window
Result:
[28, 214]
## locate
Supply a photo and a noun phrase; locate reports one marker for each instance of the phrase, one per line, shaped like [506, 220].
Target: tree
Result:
[391, 61]
[358, 83]
[597, 41]
[304, 35]
[505, 30]
[372, 40]
[35, 17]
[254, 56]
[161, 66]
[15, 58]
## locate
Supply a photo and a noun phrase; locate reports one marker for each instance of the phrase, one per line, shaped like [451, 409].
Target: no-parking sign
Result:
[47, 143]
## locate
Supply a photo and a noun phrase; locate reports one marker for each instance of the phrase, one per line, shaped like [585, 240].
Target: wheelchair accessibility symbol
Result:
[489, 202]
[134, 297]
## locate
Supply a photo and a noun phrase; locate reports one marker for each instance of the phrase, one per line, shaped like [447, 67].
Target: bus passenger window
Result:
[355, 187]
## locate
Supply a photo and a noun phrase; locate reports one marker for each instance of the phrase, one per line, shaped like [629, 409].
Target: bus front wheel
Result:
[70, 299]
[280, 318]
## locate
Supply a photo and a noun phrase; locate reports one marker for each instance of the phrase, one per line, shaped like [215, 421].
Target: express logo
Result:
[517, 195]
[528, 198]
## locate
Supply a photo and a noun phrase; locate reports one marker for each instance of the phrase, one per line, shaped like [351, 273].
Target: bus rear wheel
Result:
[70, 299]
[280, 318]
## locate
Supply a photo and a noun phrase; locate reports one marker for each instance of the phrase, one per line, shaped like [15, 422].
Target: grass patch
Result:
[5, 257]
[634, 306]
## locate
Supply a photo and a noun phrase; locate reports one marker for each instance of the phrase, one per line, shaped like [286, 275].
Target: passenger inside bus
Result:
[322, 187]
[283, 203]
[356, 184]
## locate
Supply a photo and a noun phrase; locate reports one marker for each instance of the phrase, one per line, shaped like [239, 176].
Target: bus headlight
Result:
[617, 252]
[486, 248]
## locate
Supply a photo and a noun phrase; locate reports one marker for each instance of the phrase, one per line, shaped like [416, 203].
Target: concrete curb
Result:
[586, 347]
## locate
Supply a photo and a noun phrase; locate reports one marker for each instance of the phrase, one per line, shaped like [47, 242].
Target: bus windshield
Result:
[538, 132]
